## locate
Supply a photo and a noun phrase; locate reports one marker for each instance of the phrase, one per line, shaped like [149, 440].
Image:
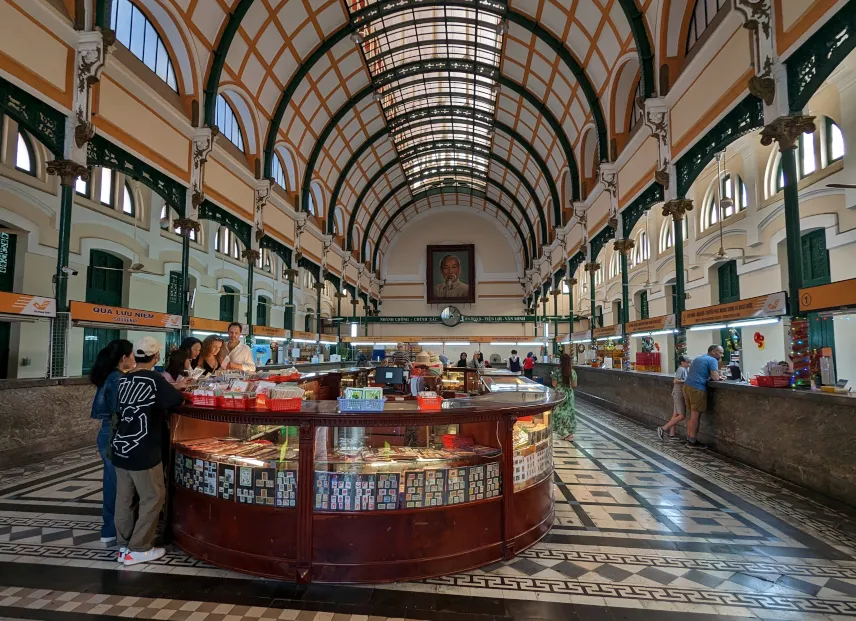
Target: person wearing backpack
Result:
[529, 365]
[513, 363]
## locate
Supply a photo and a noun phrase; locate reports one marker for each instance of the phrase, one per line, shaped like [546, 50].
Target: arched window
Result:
[81, 187]
[642, 249]
[339, 224]
[316, 200]
[636, 113]
[138, 34]
[814, 152]
[227, 303]
[667, 235]
[265, 262]
[834, 142]
[731, 188]
[598, 277]
[25, 156]
[227, 122]
[226, 242]
[128, 206]
[614, 265]
[703, 13]
[277, 171]
[583, 283]
[107, 187]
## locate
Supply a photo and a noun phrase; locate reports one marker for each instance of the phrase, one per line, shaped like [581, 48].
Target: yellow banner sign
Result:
[329, 338]
[308, 336]
[129, 317]
[772, 305]
[29, 305]
[654, 324]
[833, 295]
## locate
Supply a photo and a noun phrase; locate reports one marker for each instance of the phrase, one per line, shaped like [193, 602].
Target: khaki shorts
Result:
[696, 400]
[680, 402]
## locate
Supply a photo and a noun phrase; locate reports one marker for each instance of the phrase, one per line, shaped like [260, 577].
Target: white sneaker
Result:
[120, 557]
[135, 558]
[108, 539]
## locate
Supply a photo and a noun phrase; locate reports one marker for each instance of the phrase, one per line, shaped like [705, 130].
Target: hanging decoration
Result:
[800, 359]
[759, 340]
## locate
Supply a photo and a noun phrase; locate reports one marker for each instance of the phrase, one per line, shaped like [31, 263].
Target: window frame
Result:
[111, 191]
[224, 109]
[128, 191]
[690, 43]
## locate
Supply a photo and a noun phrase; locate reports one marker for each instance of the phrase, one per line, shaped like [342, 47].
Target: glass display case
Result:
[460, 380]
[330, 496]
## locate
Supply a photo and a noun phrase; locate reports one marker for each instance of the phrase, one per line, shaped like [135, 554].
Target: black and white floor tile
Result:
[644, 530]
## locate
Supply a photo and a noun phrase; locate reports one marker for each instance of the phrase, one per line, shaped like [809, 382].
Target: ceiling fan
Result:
[722, 205]
[842, 186]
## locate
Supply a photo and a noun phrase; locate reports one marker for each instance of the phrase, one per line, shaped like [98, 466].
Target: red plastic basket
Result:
[429, 403]
[204, 400]
[239, 403]
[773, 381]
[285, 405]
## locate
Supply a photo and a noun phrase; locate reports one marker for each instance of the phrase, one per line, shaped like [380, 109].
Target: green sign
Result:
[464, 319]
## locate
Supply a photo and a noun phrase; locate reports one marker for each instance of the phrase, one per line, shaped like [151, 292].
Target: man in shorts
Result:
[702, 370]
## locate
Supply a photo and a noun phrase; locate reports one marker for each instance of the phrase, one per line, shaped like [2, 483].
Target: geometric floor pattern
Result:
[644, 530]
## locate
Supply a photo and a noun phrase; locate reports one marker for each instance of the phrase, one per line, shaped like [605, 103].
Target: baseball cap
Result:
[146, 346]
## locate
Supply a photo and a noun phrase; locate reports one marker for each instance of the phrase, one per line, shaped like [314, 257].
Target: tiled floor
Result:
[645, 530]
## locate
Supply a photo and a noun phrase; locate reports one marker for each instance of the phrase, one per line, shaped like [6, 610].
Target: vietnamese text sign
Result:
[772, 305]
[833, 295]
[607, 331]
[654, 324]
[269, 331]
[465, 319]
[131, 317]
[29, 305]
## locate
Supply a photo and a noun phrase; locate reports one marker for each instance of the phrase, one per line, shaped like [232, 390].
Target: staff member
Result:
[239, 356]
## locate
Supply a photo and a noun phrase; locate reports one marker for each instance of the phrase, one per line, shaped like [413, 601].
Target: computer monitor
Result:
[389, 375]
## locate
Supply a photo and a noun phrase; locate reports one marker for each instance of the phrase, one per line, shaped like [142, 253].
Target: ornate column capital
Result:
[677, 208]
[570, 281]
[786, 130]
[624, 246]
[251, 255]
[592, 267]
[186, 225]
[67, 171]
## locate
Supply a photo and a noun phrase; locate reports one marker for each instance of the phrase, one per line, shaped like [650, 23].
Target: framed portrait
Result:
[451, 274]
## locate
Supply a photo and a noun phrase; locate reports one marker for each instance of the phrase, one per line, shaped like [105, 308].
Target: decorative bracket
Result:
[757, 18]
[203, 143]
[262, 193]
[657, 119]
[786, 131]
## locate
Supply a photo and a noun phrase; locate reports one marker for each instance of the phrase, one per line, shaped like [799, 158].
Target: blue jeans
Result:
[108, 504]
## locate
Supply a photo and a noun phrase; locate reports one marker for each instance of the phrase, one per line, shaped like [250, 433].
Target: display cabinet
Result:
[329, 496]
[460, 381]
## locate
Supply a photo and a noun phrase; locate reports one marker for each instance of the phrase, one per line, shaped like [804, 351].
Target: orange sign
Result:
[130, 317]
[329, 338]
[307, 336]
[29, 305]
[772, 305]
[614, 331]
[833, 295]
[268, 331]
[209, 325]
[654, 324]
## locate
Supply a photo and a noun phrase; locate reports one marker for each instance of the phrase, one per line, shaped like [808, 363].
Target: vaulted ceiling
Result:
[393, 106]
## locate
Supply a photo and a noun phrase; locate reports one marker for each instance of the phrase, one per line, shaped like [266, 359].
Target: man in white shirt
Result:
[239, 356]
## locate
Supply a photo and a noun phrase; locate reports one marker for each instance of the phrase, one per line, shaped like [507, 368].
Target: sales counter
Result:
[325, 495]
[804, 437]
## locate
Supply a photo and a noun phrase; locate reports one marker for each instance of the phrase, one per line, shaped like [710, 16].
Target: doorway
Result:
[103, 286]
[8, 245]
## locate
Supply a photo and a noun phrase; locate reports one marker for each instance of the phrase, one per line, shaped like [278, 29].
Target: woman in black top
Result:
[193, 347]
[209, 359]
[462, 363]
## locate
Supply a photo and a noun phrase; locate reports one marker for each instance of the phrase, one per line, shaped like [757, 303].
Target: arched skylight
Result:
[138, 34]
[24, 155]
[227, 122]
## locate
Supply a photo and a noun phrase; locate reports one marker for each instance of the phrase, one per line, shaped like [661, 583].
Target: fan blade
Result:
[841, 186]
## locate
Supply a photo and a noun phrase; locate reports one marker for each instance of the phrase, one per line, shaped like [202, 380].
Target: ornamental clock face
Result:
[450, 316]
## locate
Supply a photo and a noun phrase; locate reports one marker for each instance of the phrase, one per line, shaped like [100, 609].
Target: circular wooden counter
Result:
[301, 543]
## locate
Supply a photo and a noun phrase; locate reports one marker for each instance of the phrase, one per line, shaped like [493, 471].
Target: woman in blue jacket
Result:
[109, 365]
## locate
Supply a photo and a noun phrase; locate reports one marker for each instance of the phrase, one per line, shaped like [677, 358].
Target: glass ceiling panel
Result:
[440, 104]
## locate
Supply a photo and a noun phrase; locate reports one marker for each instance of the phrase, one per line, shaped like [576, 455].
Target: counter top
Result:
[844, 398]
[484, 407]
